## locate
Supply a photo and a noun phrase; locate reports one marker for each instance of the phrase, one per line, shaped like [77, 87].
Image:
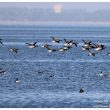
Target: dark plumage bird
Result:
[104, 75]
[92, 53]
[51, 76]
[81, 90]
[55, 40]
[45, 45]
[1, 41]
[32, 45]
[108, 53]
[87, 43]
[87, 48]
[14, 50]
[70, 43]
[99, 47]
[48, 48]
[2, 72]
[64, 48]
[51, 50]
[17, 80]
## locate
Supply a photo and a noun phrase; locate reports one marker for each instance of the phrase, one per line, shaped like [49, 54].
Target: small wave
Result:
[48, 60]
[41, 43]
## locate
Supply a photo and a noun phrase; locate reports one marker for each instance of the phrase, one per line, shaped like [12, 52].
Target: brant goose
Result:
[55, 40]
[32, 45]
[14, 50]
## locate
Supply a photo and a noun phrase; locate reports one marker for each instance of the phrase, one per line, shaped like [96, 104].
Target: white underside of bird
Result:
[42, 46]
[49, 50]
[61, 50]
[98, 48]
[108, 54]
[17, 81]
[66, 44]
[86, 45]
[11, 50]
[32, 46]
[53, 41]
[83, 48]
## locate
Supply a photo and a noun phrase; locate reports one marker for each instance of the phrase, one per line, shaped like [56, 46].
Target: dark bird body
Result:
[32, 45]
[55, 40]
[14, 50]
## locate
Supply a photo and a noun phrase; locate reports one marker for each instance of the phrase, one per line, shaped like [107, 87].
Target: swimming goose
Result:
[92, 53]
[14, 50]
[63, 49]
[70, 43]
[105, 75]
[55, 40]
[48, 48]
[51, 76]
[99, 47]
[86, 44]
[2, 72]
[108, 53]
[45, 45]
[86, 48]
[17, 80]
[51, 50]
[32, 45]
[81, 90]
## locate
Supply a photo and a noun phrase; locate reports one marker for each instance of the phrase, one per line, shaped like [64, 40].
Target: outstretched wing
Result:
[1, 42]
[34, 43]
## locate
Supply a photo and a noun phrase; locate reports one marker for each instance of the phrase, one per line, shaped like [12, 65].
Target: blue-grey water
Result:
[72, 69]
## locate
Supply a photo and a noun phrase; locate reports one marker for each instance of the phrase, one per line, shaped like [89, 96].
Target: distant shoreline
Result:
[59, 23]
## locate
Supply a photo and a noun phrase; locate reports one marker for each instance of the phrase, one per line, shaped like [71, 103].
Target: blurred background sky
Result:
[54, 12]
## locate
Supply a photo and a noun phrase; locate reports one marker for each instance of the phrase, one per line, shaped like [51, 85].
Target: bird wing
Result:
[34, 43]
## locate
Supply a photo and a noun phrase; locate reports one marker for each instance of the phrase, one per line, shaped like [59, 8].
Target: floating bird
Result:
[32, 45]
[92, 53]
[86, 44]
[51, 50]
[105, 75]
[48, 48]
[46, 45]
[51, 76]
[70, 43]
[108, 54]
[2, 72]
[55, 40]
[67, 42]
[14, 50]
[17, 80]
[65, 48]
[87, 48]
[99, 47]
[81, 90]
[1, 41]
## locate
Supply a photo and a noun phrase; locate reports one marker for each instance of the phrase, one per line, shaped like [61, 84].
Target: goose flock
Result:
[88, 46]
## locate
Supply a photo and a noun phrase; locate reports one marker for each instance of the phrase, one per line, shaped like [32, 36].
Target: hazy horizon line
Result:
[55, 23]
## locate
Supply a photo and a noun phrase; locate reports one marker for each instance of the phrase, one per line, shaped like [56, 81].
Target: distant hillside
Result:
[35, 14]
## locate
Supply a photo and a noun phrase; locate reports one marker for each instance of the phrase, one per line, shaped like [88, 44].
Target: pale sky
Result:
[68, 5]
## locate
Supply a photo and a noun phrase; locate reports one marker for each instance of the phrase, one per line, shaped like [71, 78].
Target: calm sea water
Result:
[72, 69]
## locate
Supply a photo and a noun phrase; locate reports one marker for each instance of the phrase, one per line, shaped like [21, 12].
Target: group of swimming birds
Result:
[88, 46]
[68, 44]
